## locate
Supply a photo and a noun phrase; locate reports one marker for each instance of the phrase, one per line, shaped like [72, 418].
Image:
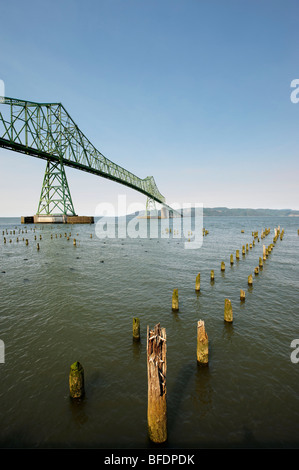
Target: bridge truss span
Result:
[46, 131]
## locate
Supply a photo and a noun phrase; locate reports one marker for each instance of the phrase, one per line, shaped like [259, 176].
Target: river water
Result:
[67, 303]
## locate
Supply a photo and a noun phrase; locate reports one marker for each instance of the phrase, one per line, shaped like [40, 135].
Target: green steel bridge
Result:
[46, 131]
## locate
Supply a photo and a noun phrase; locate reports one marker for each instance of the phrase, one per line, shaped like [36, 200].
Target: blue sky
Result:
[193, 92]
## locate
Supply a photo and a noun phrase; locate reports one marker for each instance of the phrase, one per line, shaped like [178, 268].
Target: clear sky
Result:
[193, 92]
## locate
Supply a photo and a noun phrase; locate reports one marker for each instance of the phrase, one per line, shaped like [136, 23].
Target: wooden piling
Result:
[197, 283]
[237, 254]
[228, 311]
[222, 266]
[136, 329]
[202, 344]
[243, 250]
[256, 270]
[156, 373]
[231, 259]
[260, 262]
[242, 295]
[212, 275]
[76, 380]
[175, 300]
[250, 280]
[264, 253]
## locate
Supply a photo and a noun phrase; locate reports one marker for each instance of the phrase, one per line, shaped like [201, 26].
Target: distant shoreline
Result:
[221, 212]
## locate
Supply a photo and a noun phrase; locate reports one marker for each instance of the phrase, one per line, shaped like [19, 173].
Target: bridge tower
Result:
[55, 198]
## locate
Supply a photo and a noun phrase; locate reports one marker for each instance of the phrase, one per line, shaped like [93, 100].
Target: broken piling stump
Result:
[231, 259]
[156, 374]
[136, 329]
[260, 262]
[202, 344]
[222, 266]
[76, 380]
[242, 295]
[197, 283]
[175, 300]
[237, 254]
[250, 280]
[228, 311]
[212, 275]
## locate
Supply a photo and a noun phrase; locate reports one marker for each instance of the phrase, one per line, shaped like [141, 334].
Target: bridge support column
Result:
[55, 198]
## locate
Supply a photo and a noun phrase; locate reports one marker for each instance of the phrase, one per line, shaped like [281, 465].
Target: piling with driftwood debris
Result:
[156, 375]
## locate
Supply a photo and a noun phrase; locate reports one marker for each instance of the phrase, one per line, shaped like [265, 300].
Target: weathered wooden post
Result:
[260, 262]
[242, 295]
[136, 329]
[264, 253]
[237, 254]
[250, 280]
[222, 266]
[212, 275]
[231, 259]
[202, 344]
[228, 311]
[197, 283]
[156, 374]
[76, 380]
[37, 246]
[175, 300]
[256, 270]
[243, 250]
[74, 242]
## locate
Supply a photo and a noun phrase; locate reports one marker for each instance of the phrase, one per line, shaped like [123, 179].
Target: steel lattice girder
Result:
[55, 196]
[45, 130]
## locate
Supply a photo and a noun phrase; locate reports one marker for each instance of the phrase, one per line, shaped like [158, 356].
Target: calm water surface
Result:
[64, 304]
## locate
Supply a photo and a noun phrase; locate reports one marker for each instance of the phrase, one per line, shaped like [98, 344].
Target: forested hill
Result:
[224, 211]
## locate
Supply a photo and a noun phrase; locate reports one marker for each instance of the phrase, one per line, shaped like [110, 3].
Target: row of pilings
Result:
[156, 349]
[156, 337]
